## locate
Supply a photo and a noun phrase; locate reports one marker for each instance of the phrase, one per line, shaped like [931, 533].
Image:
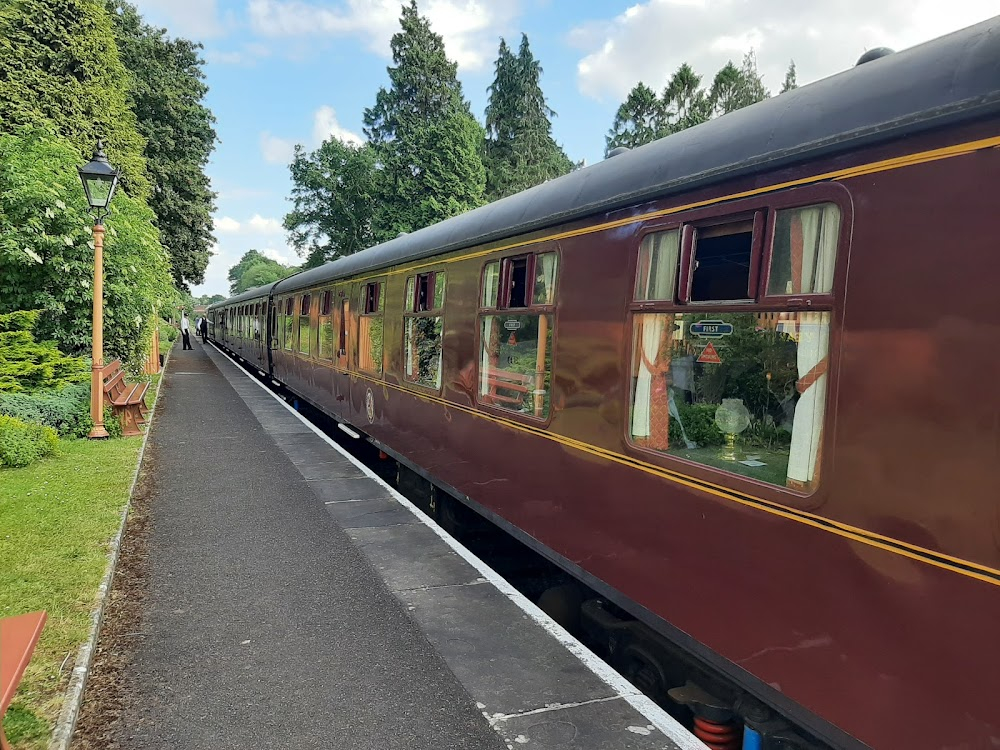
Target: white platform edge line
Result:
[659, 718]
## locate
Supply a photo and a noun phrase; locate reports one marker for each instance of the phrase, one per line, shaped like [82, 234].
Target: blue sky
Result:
[283, 72]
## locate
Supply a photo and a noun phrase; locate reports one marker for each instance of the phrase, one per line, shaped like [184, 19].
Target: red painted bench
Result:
[509, 381]
[18, 636]
[128, 400]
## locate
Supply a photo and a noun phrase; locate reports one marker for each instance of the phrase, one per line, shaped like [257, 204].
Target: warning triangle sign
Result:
[709, 355]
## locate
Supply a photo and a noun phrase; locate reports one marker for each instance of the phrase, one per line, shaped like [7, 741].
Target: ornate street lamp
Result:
[99, 182]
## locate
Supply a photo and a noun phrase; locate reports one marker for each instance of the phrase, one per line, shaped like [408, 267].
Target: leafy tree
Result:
[790, 82]
[250, 257]
[426, 140]
[60, 67]
[263, 273]
[519, 150]
[640, 119]
[205, 299]
[167, 90]
[334, 196]
[47, 257]
[734, 88]
[254, 270]
[685, 102]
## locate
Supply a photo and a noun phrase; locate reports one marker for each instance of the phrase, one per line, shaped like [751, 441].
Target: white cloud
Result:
[325, 126]
[286, 259]
[469, 27]
[226, 225]
[276, 150]
[198, 19]
[260, 225]
[651, 39]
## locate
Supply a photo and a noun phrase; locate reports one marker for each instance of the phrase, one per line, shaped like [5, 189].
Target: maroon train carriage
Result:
[742, 381]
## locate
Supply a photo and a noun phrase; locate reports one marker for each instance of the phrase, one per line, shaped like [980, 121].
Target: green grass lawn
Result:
[774, 470]
[57, 518]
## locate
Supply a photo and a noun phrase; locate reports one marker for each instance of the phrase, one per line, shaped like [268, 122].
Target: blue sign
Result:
[711, 329]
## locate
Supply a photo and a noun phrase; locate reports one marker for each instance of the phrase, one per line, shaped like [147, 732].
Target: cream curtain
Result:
[819, 228]
[546, 267]
[484, 365]
[650, 330]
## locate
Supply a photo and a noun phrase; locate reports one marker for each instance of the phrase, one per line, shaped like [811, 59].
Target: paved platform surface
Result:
[295, 603]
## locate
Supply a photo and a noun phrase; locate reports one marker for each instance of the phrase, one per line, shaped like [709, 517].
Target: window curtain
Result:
[650, 406]
[814, 248]
[547, 263]
[410, 359]
[490, 356]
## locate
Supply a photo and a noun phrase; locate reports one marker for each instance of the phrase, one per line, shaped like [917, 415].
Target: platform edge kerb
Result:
[656, 716]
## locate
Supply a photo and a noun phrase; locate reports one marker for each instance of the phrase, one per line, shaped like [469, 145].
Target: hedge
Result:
[22, 444]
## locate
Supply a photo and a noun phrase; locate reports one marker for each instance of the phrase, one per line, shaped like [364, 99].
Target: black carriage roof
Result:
[947, 81]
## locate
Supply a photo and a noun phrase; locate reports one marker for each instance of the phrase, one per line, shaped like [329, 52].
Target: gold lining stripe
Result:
[873, 539]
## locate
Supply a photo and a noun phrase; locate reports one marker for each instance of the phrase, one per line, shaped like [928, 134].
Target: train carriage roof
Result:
[948, 81]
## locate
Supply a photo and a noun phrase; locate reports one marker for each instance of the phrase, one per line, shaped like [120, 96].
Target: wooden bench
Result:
[509, 381]
[128, 400]
[18, 637]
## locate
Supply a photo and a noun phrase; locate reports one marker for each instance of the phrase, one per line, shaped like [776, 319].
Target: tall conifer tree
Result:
[519, 151]
[427, 142]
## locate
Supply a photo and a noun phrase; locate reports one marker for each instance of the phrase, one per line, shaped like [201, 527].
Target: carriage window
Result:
[722, 257]
[305, 325]
[324, 335]
[742, 392]
[289, 335]
[370, 338]
[371, 297]
[423, 329]
[659, 258]
[804, 250]
[516, 347]
[517, 282]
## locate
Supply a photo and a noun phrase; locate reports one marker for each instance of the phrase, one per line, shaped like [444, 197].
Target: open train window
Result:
[324, 333]
[370, 328]
[728, 370]
[520, 281]
[722, 258]
[423, 329]
[289, 302]
[324, 308]
[306, 299]
[515, 324]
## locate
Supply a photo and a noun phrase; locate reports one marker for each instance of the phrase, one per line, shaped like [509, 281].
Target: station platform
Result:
[297, 601]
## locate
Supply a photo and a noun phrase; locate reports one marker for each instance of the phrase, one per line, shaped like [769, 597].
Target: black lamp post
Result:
[99, 182]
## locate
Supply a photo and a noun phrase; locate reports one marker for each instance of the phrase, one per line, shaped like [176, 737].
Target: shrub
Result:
[699, 425]
[26, 365]
[112, 423]
[21, 443]
[66, 410]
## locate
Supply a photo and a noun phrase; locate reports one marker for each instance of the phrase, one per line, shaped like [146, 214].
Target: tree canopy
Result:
[60, 68]
[166, 92]
[644, 117]
[334, 197]
[46, 250]
[427, 143]
[519, 150]
[255, 269]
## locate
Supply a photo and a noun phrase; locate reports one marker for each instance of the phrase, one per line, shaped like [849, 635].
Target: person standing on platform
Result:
[203, 330]
[185, 332]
